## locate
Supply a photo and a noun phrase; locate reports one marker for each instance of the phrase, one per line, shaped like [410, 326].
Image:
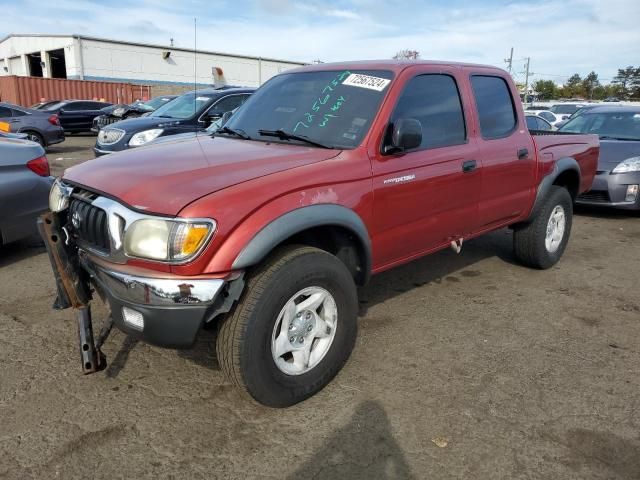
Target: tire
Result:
[35, 137]
[246, 337]
[532, 247]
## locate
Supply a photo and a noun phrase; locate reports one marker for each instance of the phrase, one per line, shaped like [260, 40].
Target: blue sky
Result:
[561, 37]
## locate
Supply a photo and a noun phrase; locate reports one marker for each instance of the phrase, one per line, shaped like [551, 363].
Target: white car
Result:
[565, 110]
[549, 116]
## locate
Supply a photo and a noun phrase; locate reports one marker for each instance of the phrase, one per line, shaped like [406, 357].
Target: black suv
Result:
[189, 112]
[76, 115]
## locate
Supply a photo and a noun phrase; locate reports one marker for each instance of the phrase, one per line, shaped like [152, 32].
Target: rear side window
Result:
[434, 101]
[496, 111]
[229, 103]
[4, 112]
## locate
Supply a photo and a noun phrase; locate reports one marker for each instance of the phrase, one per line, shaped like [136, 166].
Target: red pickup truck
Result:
[326, 175]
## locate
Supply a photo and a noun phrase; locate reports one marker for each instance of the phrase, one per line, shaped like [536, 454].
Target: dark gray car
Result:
[40, 126]
[617, 180]
[24, 188]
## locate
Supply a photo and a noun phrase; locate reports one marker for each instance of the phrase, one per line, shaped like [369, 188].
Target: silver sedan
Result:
[24, 188]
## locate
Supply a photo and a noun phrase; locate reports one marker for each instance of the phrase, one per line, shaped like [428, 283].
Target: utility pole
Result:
[526, 80]
[509, 61]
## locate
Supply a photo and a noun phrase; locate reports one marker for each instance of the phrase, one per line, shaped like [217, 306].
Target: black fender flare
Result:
[302, 219]
[561, 166]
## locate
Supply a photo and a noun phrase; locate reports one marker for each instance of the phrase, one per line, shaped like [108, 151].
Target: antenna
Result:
[195, 70]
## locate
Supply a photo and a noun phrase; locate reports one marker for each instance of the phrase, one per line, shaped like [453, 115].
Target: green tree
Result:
[589, 83]
[573, 87]
[628, 80]
[546, 89]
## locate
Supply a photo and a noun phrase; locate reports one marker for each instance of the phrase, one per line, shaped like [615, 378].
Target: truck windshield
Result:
[333, 108]
[185, 106]
[613, 125]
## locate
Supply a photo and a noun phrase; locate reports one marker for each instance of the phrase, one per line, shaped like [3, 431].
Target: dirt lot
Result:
[467, 366]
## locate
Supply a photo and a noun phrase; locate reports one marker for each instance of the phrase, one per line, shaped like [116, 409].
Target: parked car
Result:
[582, 111]
[548, 116]
[21, 136]
[24, 188]
[611, 99]
[210, 130]
[40, 126]
[193, 111]
[536, 123]
[326, 175]
[565, 110]
[537, 107]
[116, 113]
[42, 105]
[77, 116]
[618, 177]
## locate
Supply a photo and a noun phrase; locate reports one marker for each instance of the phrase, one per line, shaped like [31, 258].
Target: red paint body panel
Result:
[245, 185]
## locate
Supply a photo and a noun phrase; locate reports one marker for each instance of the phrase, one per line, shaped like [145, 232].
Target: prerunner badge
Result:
[366, 81]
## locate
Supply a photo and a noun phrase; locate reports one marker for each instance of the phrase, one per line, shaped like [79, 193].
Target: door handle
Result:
[468, 166]
[523, 153]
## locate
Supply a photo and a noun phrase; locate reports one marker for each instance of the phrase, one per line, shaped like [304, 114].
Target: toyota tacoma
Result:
[326, 175]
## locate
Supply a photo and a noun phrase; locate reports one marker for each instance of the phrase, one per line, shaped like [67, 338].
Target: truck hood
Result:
[165, 178]
[612, 152]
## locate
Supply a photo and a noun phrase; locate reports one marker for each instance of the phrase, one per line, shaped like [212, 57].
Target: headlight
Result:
[145, 137]
[118, 112]
[629, 165]
[167, 240]
[58, 197]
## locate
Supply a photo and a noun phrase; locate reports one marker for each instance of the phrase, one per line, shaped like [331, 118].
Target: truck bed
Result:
[553, 146]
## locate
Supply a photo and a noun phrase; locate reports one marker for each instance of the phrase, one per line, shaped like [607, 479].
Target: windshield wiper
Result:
[627, 139]
[233, 131]
[282, 135]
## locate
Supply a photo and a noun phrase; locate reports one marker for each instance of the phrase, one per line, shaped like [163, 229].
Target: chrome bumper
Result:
[170, 291]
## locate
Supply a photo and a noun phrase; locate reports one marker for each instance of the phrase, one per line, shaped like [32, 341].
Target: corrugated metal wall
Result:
[26, 91]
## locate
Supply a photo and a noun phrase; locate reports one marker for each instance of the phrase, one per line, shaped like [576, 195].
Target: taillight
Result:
[53, 120]
[39, 166]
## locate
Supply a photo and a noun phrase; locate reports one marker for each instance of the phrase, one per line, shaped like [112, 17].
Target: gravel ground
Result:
[466, 366]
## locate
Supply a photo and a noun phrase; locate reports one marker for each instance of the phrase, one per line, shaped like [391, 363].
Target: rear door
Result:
[426, 197]
[78, 116]
[506, 150]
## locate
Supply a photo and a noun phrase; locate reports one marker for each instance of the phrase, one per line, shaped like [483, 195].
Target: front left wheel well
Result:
[338, 241]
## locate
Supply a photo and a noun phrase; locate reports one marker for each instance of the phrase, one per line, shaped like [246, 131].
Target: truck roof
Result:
[395, 66]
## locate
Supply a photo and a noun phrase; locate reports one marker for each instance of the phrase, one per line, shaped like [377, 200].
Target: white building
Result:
[89, 58]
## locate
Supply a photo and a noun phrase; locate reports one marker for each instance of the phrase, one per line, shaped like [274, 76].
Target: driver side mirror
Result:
[406, 135]
[225, 118]
[212, 116]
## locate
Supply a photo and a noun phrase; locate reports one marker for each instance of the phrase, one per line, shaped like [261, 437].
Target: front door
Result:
[426, 197]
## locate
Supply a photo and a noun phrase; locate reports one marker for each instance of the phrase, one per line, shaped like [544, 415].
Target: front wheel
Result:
[541, 243]
[293, 329]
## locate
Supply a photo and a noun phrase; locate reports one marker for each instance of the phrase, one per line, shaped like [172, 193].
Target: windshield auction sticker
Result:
[365, 81]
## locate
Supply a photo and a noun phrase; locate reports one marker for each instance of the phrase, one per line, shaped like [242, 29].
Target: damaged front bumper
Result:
[158, 308]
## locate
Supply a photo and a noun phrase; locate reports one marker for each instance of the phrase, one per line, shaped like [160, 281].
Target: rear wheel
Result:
[293, 329]
[541, 243]
[35, 137]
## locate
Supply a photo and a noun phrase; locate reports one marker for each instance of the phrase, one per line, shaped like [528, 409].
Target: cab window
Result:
[433, 100]
[496, 110]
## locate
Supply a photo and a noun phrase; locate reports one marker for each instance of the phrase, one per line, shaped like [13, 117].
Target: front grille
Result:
[89, 223]
[109, 136]
[104, 120]
[599, 196]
